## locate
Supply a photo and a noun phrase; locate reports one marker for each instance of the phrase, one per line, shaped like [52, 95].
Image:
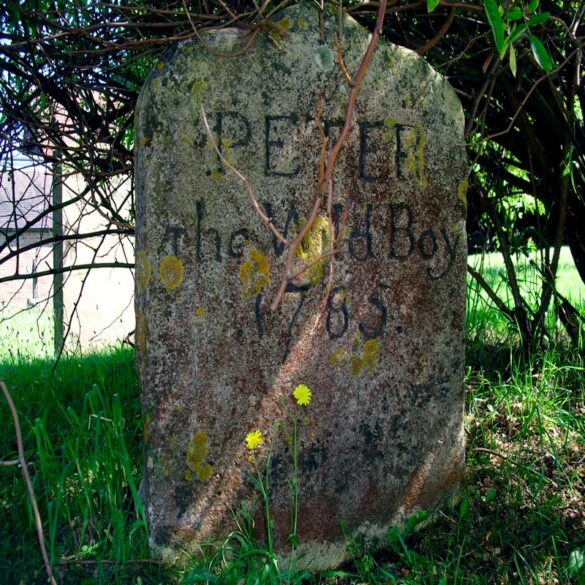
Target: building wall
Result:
[18, 294]
[25, 193]
[99, 303]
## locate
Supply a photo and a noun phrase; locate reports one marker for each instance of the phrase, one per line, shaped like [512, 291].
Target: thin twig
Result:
[213, 52]
[244, 181]
[491, 294]
[64, 269]
[9, 463]
[331, 159]
[440, 34]
[531, 91]
[512, 462]
[111, 562]
[312, 263]
[29, 486]
[342, 66]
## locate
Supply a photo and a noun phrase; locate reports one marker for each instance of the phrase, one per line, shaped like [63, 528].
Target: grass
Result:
[26, 333]
[520, 518]
[490, 336]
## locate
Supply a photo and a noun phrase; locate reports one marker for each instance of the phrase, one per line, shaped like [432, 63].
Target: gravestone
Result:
[383, 436]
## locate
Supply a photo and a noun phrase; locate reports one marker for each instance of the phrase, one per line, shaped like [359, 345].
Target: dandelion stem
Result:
[294, 484]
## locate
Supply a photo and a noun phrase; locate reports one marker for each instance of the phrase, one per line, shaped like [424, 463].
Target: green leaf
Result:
[576, 563]
[494, 17]
[464, 508]
[516, 33]
[116, 408]
[414, 520]
[533, 5]
[199, 575]
[539, 19]
[513, 65]
[514, 14]
[394, 539]
[540, 53]
[490, 495]
[432, 4]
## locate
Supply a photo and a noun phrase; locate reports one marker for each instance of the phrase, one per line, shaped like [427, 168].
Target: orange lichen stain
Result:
[200, 312]
[140, 334]
[314, 245]
[254, 274]
[143, 271]
[197, 451]
[462, 192]
[171, 272]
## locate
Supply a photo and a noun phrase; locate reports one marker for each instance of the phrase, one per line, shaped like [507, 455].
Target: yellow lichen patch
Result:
[205, 472]
[415, 162]
[337, 356]
[217, 175]
[370, 355]
[285, 24]
[143, 271]
[197, 87]
[364, 357]
[356, 364]
[302, 23]
[146, 427]
[254, 274]
[143, 140]
[171, 271]
[140, 333]
[462, 192]
[160, 65]
[197, 451]
[314, 245]
[388, 131]
[281, 30]
[200, 312]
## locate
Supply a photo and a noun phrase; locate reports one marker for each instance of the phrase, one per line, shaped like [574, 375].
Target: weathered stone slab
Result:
[384, 359]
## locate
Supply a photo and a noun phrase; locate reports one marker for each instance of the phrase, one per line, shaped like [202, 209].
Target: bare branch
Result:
[29, 486]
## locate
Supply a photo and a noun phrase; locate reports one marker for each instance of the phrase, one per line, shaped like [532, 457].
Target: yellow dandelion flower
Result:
[302, 395]
[254, 440]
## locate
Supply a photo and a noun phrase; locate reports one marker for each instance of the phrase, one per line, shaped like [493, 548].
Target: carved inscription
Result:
[404, 140]
[401, 241]
[389, 232]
